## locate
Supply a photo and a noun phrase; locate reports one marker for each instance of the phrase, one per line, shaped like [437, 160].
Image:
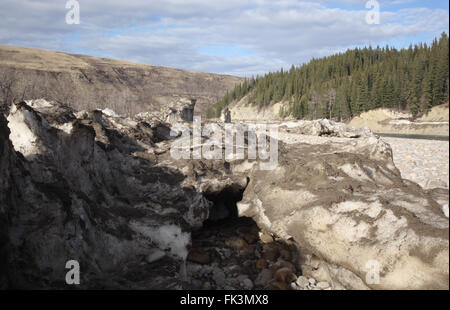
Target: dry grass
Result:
[86, 82]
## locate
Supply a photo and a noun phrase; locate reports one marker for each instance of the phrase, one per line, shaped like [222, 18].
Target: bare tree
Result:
[315, 102]
[8, 80]
[331, 100]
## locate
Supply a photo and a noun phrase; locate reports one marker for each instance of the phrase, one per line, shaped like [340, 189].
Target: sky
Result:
[237, 37]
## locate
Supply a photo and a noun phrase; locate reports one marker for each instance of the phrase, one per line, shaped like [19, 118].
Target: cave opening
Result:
[224, 206]
[231, 252]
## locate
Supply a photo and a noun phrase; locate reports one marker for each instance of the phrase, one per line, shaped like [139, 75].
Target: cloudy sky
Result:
[238, 37]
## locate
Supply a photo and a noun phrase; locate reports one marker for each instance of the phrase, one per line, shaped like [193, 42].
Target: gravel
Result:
[425, 162]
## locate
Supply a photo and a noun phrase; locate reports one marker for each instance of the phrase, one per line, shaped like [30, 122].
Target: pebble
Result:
[282, 286]
[236, 243]
[286, 255]
[251, 238]
[225, 260]
[323, 285]
[261, 264]
[265, 238]
[233, 269]
[284, 275]
[283, 263]
[270, 252]
[219, 277]
[312, 281]
[302, 282]
[199, 257]
[263, 278]
[207, 286]
[247, 284]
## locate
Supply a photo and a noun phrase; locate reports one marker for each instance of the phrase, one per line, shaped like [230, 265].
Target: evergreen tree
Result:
[346, 84]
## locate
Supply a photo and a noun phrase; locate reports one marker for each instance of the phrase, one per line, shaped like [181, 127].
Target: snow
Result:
[22, 137]
[110, 113]
[169, 238]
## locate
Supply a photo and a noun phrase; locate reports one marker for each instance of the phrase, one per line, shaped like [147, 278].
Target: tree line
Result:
[344, 85]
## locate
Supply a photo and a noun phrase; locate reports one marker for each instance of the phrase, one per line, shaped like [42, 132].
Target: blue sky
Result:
[238, 37]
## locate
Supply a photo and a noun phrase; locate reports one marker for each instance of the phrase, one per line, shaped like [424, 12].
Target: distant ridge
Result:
[86, 82]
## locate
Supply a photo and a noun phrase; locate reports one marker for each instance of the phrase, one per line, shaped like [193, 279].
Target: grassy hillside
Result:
[344, 85]
[85, 82]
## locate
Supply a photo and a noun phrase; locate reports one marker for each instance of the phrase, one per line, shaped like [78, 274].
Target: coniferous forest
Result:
[346, 84]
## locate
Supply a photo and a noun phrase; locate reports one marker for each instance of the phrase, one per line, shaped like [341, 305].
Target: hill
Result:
[345, 85]
[85, 82]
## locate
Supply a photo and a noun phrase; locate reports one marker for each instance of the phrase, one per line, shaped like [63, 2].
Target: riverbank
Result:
[391, 122]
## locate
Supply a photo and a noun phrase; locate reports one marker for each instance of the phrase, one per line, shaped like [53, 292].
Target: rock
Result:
[286, 255]
[261, 264]
[199, 257]
[285, 275]
[248, 264]
[302, 282]
[194, 269]
[233, 269]
[236, 243]
[248, 284]
[286, 264]
[219, 277]
[251, 238]
[245, 282]
[265, 238]
[270, 252]
[312, 281]
[282, 286]
[207, 286]
[323, 285]
[263, 278]
[342, 278]
[248, 251]
[321, 273]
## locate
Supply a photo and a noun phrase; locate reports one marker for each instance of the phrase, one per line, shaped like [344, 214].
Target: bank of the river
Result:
[391, 122]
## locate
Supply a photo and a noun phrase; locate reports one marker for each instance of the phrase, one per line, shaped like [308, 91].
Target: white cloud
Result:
[273, 34]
